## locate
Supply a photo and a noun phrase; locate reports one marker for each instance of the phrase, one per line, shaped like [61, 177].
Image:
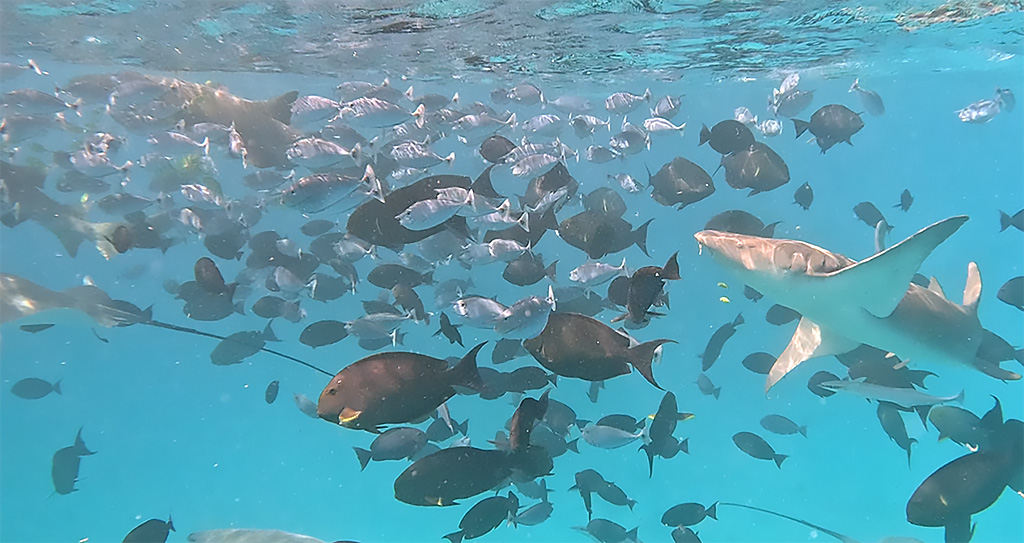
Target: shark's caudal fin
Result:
[881, 280]
[809, 341]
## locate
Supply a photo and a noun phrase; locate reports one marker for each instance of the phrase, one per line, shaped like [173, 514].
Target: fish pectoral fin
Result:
[348, 415]
[809, 341]
[879, 282]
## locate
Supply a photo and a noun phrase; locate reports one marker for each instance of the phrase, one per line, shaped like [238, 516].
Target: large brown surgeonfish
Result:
[578, 346]
[393, 388]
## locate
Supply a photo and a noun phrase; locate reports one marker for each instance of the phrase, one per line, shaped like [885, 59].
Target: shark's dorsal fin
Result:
[934, 286]
[808, 342]
[879, 282]
[972, 290]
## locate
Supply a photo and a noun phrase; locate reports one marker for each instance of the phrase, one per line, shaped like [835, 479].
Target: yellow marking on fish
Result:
[724, 300]
[440, 502]
[348, 415]
[722, 285]
[85, 198]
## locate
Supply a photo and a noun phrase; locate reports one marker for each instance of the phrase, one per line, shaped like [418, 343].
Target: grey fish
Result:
[680, 183]
[688, 514]
[871, 100]
[1012, 292]
[706, 387]
[151, 531]
[599, 154]
[394, 444]
[904, 397]
[980, 112]
[906, 200]
[869, 214]
[606, 531]
[755, 446]
[892, 422]
[621, 103]
[666, 107]
[66, 464]
[238, 346]
[830, 125]
[33, 388]
[777, 424]
[307, 406]
[759, 362]
[1016, 221]
[241, 535]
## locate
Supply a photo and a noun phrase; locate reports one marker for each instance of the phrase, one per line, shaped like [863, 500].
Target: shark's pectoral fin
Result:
[879, 282]
[809, 341]
[972, 290]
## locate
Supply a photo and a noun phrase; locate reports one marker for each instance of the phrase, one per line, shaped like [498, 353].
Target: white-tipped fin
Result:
[972, 290]
[809, 341]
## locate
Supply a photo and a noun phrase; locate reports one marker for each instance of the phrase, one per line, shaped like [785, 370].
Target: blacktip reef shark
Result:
[845, 303]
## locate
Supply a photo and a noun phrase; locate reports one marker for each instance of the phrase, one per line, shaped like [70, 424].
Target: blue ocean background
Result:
[177, 435]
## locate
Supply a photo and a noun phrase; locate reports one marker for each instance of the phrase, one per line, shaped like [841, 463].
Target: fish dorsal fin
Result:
[809, 341]
[879, 282]
[972, 290]
[934, 286]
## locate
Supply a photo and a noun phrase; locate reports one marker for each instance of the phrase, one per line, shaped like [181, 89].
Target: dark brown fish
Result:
[208, 276]
[714, 347]
[447, 475]
[554, 180]
[758, 168]
[598, 235]
[529, 269]
[830, 125]
[680, 183]
[374, 221]
[485, 516]
[804, 196]
[386, 276]
[581, 347]
[529, 412]
[393, 388]
[645, 287]
[728, 136]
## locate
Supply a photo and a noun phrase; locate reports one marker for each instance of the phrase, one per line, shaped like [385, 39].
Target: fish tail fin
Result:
[715, 392]
[551, 272]
[922, 412]
[640, 236]
[465, 372]
[408, 93]
[455, 537]
[462, 428]
[56, 386]
[779, 458]
[1004, 220]
[650, 458]
[631, 535]
[959, 397]
[524, 221]
[684, 446]
[268, 332]
[738, 320]
[801, 127]
[855, 86]
[671, 269]
[642, 356]
[80, 448]
[910, 445]
[705, 135]
[364, 457]
[712, 511]
[802, 430]
[574, 445]
[428, 278]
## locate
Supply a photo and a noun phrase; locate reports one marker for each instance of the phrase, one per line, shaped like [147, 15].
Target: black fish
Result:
[714, 347]
[606, 531]
[495, 148]
[780, 315]
[441, 478]
[1012, 292]
[393, 388]
[777, 424]
[969, 485]
[727, 136]
[152, 531]
[66, 463]
[33, 388]
[573, 345]
[804, 196]
[660, 432]
[1016, 221]
[506, 349]
[645, 287]
[814, 383]
[271, 393]
[321, 333]
[36, 328]
[394, 444]
[906, 200]
[529, 413]
[738, 221]
[554, 180]
[751, 294]
[606, 201]
[830, 125]
[760, 363]
[758, 168]
[529, 269]
[484, 516]
[680, 183]
[209, 278]
[450, 331]
[869, 214]
[688, 514]
[375, 222]
[587, 483]
[598, 235]
[755, 446]
[241, 345]
[388, 275]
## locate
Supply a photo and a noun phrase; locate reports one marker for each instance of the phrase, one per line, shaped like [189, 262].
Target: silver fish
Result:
[904, 397]
[592, 274]
[527, 317]
[623, 102]
[871, 100]
[478, 312]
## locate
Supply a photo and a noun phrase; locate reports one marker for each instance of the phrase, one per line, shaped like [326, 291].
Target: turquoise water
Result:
[176, 434]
